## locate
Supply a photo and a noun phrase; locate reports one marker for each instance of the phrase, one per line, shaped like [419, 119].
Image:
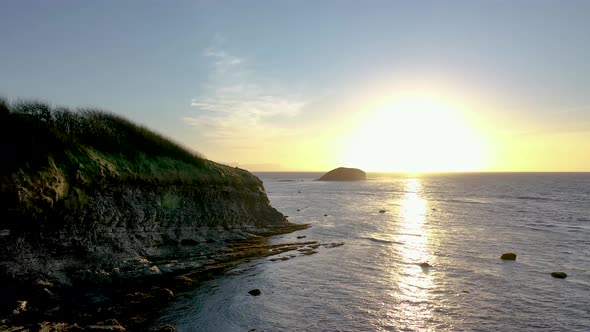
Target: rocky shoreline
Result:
[103, 221]
[133, 306]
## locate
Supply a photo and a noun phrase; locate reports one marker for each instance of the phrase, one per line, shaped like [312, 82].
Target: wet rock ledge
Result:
[101, 218]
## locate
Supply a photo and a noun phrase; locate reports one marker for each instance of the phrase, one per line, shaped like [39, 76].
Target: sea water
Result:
[459, 224]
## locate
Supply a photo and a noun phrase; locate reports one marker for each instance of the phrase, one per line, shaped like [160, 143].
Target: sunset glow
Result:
[415, 134]
[295, 165]
[382, 86]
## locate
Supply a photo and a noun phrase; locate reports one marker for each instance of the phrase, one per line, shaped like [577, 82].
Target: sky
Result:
[404, 86]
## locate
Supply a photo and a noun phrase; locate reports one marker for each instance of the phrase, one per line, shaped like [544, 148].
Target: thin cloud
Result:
[222, 60]
[256, 104]
[235, 106]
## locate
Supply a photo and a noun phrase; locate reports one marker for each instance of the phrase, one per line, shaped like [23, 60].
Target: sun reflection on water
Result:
[413, 216]
[414, 282]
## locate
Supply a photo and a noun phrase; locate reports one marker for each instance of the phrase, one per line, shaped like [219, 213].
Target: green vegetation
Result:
[50, 152]
[170, 202]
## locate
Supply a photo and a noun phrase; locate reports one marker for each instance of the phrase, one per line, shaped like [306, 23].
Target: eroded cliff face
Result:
[102, 219]
[126, 231]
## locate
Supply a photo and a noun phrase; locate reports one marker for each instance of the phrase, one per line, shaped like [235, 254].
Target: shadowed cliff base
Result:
[90, 200]
[134, 306]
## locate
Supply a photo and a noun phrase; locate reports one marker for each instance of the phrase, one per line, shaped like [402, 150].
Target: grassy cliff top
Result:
[94, 147]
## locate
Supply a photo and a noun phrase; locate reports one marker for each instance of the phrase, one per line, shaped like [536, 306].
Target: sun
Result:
[415, 134]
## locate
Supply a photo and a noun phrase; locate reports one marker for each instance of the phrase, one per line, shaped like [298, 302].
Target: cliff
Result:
[90, 197]
[344, 174]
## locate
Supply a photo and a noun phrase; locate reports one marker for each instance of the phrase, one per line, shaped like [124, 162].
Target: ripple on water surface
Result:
[458, 224]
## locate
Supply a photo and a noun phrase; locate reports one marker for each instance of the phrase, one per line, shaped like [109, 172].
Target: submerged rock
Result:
[52, 326]
[254, 292]
[307, 251]
[382, 211]
[559, 275]
[424, 265]
[165, 328]
[331, 245]
[344, 174]
[508, 256]
[21, 306]
[282, 258]
[184, 281]
[107, 325]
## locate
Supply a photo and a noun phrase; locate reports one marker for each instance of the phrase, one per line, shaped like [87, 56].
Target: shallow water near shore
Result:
[459, 224]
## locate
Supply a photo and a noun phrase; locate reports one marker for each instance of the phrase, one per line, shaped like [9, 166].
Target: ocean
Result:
[460, 224]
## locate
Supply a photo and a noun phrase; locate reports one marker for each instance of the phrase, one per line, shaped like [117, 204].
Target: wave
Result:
[374, 239]
[535, 198]
[523, 198]
[540, 224]
[410, 234]
[530, 198]
[462, 201]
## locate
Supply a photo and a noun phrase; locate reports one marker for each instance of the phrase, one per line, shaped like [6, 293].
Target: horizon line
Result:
[429, 172]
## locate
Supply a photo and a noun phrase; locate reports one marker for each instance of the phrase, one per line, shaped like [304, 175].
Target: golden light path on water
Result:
[414, 282]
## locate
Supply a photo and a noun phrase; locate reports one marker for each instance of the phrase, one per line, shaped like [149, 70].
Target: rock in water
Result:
[344, 174]
[255, 292]
[165, 328]
[508, 256]
[107, 325]
[560, 275]
[424, 265]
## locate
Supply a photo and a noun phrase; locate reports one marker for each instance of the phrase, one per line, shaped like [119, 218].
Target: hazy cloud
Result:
[565, 120]
[249, 100]
[222, 60]
[236, 107]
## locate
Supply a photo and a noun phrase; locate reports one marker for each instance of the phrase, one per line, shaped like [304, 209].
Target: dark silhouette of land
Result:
[344, 174]
[94, 206]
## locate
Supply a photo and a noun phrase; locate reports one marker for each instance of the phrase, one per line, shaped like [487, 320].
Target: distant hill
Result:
[344, 174]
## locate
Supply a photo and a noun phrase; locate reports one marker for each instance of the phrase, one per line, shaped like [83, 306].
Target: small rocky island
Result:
[344, 174]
